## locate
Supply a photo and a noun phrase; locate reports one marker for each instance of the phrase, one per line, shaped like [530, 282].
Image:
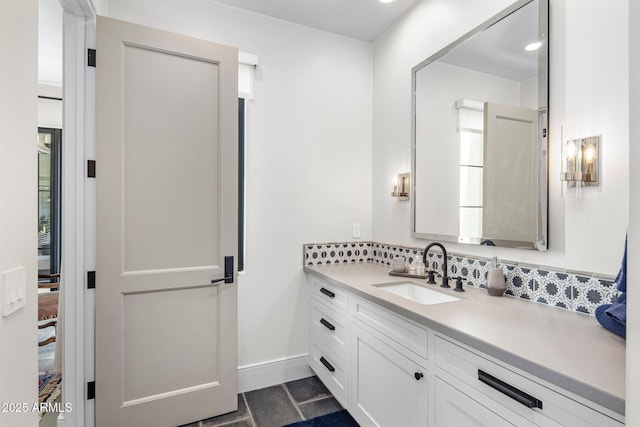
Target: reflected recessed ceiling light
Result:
[385, 1]
[533, 46]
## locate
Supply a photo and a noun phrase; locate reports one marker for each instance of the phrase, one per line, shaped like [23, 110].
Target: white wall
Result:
[588, 95]
[308, 155]
[18, 183]
[49, 110]
[529, 93]
[50, 42]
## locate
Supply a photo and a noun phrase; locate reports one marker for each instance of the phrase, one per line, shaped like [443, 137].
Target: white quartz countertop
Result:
[565, 348]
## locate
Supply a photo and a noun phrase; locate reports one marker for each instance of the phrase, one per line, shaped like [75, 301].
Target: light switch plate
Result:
[14, 288]
[356, 230]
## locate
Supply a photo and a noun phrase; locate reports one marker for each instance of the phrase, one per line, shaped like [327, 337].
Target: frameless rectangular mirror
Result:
[479, 158]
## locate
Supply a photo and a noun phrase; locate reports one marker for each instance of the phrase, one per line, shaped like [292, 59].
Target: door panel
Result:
[144, 312]
[166, 184]
[159, 232]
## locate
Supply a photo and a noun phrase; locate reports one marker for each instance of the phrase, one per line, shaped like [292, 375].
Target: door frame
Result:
[78, 212]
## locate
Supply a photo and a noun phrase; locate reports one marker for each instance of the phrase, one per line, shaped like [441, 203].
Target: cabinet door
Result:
[453, 408]
[388, 388]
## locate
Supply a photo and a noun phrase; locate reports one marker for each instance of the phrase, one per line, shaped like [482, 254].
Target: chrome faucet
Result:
[445, 279]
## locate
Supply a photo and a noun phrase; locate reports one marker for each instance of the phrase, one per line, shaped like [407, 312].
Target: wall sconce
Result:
[401, 186]
[581, 162]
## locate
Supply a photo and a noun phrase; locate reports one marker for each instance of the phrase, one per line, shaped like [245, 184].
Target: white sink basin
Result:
[417, 293]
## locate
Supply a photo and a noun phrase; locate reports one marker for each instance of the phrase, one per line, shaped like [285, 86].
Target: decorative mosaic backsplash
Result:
[564, 289]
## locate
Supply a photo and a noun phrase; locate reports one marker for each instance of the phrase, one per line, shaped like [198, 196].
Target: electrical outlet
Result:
[356, 230]
[14, 287]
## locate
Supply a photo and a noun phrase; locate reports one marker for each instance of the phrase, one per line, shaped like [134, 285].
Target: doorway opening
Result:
[49, 243]
[49, 215]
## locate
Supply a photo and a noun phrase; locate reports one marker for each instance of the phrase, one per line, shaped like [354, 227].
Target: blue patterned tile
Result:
[335, 253]
[582, 309]
[578, 292]
[593, 292]
[553, 290]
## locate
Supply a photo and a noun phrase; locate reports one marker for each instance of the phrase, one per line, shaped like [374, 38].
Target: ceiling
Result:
[359, 19]
[499, 49]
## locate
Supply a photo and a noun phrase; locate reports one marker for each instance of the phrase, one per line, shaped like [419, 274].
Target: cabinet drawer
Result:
[329, 294]
[331, 369]
[455, 408]
[331, 326]
[400, 330]
[527, 397]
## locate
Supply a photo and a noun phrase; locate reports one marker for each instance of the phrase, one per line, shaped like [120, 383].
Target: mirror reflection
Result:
[479, 128]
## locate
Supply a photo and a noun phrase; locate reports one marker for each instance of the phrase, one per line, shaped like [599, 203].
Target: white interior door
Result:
[166, 189]
[510, 182]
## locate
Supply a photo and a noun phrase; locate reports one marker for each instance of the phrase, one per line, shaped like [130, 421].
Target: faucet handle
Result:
[431, 277]
[458, 287]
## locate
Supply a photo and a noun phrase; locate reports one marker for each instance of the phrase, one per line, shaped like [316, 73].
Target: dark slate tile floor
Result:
[277, 406]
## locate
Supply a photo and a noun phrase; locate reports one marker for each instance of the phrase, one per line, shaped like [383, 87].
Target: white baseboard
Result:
[266, 374]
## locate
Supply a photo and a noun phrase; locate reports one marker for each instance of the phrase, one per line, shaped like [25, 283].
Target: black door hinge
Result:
[91, 57]
[91, 390]
[91, 168]
[91, 279]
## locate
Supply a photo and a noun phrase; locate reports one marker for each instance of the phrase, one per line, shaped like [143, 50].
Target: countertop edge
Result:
[586, 391]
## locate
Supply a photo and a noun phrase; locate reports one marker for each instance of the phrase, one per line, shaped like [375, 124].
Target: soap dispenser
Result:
[495, 280]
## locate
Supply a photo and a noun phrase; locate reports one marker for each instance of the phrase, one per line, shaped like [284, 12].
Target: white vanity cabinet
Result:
[390, 371]
[329, 338]
[389, 382]
[373, 361]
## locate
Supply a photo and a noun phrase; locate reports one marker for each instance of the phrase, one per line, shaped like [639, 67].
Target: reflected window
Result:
[49, 200]
[470, 135]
